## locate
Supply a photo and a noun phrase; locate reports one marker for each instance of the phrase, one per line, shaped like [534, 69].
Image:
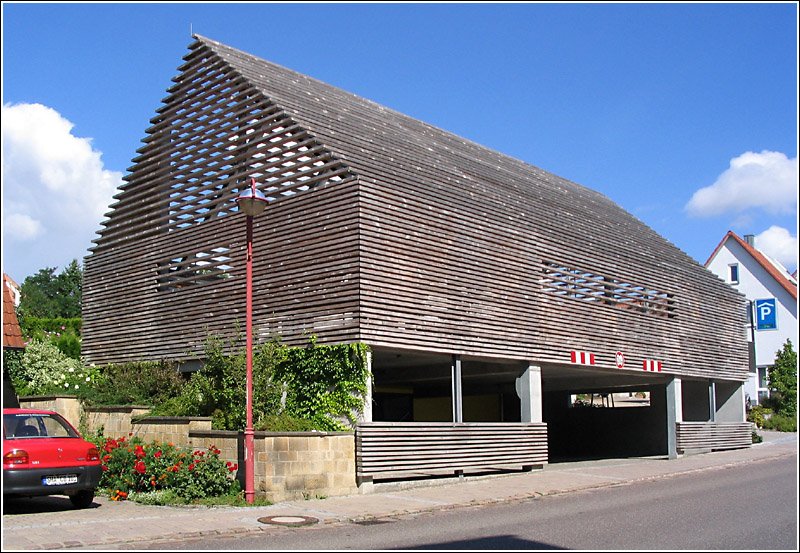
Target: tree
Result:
[782, 376]
[47, 295]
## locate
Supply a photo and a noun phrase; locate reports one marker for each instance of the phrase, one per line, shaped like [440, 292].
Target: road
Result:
[744, 507]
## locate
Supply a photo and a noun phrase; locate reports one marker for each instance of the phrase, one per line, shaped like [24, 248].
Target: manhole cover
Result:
[289, 520]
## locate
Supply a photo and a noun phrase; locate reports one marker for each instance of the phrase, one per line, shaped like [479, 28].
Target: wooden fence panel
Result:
[713, 435]
[396, 450]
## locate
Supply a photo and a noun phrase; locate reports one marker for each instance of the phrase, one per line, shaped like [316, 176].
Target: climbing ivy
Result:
[326, 384]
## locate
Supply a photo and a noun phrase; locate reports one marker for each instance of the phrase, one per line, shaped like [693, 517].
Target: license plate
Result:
[60, 480]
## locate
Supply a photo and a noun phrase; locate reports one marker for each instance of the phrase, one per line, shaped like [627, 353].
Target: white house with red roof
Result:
[772, 293]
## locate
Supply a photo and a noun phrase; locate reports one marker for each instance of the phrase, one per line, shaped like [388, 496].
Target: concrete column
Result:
[529, 390]
[744, 400]
[674, 415]
[366, 415]
[729, 401]
[455, 371]
[712, 401]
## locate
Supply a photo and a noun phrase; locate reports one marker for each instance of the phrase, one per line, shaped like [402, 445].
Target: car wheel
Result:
[82, 499]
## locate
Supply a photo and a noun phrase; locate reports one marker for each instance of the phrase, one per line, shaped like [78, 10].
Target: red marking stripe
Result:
[651, 365]
[582, 357]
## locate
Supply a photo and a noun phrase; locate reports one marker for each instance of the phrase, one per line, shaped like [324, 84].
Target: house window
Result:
[763, 378]
[733, 273]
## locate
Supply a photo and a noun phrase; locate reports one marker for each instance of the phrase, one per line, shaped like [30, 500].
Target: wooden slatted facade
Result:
[388, 231]
[394, 450]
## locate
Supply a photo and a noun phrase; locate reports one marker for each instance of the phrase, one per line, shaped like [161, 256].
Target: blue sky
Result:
[684, 114]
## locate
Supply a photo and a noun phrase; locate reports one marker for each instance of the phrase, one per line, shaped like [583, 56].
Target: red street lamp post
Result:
[252, 202]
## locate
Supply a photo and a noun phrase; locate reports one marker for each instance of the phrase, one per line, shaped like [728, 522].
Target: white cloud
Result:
[21, 227]
[766, 180]
[779, 244]
[55, 189]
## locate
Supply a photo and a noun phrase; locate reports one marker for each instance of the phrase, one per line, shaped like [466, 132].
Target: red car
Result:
[43, 454]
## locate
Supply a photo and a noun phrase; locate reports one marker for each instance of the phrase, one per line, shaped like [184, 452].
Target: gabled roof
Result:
[12, 335]
[379, 144]
[781, 276]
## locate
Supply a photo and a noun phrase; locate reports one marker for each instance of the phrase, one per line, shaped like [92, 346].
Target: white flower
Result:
[76, 386]
[72, 369]
[87, 379]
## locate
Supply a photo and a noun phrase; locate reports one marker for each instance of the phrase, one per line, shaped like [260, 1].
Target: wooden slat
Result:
[395, 450]
[713, 435]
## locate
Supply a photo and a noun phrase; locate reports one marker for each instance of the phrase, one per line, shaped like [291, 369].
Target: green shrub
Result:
[758, 414]
[44, 369]
[284, 423]
[157, 497]
[782, 376]
[206, 476]
[294, 389]
[137, 383]
[217, 390]
[64, 333]
[756, 437]
[13, 366]
[178, 406]
[781, 423]
[131, 466]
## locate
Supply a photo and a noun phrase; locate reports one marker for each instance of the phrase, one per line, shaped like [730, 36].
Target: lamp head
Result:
[251, 200]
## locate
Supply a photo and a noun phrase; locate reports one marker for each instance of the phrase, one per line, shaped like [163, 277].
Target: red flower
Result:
[191, 466]
[157, 454]
[139, 467]
[139, 452]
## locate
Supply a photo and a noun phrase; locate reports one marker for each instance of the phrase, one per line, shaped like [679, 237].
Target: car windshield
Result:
[36, 425]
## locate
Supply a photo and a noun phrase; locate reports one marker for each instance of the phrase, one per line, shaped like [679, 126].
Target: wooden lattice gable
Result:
[213, 133]
[424, 162]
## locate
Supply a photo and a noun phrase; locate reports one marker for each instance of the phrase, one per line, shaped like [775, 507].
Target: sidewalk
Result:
[123, 525]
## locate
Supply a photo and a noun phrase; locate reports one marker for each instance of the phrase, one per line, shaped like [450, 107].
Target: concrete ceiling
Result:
[396, 367]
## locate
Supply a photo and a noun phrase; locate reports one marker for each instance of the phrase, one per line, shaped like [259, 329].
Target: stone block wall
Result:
[305, 464]
[174, 430]
[68, 407]
[288, 465]
[115, 421]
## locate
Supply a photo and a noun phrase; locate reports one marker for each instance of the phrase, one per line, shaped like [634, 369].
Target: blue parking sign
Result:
[765, 314]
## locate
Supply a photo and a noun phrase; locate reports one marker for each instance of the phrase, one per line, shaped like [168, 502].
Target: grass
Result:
[168, 497]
